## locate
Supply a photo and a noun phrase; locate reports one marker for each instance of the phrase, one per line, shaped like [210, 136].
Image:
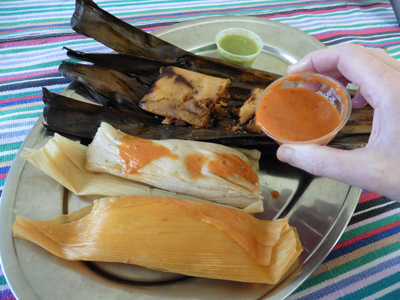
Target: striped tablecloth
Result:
[365, 264]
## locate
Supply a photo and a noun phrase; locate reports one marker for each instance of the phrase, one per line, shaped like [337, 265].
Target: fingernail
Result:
[288, 69]
[285, 154]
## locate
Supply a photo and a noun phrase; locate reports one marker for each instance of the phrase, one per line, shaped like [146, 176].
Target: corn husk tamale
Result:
[185, 237]
[64, 160]
[204, 170]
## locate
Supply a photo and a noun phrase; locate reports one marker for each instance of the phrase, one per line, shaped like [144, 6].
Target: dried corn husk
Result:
[64, 160]
[171, 172]
[186, 237]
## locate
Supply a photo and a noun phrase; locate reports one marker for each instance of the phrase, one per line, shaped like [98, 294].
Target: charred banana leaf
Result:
[90, 20]
[147, 69]
[123, 92]
[66, 115]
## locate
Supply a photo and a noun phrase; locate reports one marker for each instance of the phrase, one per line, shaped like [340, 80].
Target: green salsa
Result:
[238, 44]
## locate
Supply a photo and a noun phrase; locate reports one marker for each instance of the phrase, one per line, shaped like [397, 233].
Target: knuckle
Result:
[352, 48]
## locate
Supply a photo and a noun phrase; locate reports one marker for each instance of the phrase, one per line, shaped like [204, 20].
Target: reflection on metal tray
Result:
[318, 207]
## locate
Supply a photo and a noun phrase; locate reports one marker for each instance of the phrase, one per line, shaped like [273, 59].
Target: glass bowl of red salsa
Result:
[303, 109]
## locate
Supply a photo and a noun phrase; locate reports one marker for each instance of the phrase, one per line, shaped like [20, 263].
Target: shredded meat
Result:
[188, 96]
[248, 109]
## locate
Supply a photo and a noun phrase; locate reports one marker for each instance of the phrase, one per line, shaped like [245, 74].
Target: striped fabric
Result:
[366, 261]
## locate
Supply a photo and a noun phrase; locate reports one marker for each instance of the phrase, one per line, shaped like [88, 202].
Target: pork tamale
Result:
[181, 236]
[187, 96]
[205, 170]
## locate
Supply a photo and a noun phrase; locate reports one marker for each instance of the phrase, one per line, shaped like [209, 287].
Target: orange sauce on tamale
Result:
[228, 165]
[296, 114]
[194, 163]
[135, 153]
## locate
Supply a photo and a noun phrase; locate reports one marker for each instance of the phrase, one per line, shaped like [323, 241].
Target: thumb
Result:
[347, 166]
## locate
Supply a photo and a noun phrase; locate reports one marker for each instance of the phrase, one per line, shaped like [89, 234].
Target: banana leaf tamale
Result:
[67, 115]
[90, 20]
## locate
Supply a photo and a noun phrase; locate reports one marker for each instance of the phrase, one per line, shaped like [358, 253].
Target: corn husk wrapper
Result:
[173, 175]
[64, 160]
[186, 237]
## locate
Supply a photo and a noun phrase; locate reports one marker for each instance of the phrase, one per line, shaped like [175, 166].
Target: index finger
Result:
[356, 64]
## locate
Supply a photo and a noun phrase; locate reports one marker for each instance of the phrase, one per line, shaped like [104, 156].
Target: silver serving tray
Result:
[318, 207]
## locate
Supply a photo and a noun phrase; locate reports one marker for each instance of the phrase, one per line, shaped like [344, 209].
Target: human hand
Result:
[376, 167]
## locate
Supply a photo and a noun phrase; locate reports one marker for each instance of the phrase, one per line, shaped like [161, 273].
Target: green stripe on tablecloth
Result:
[9, 156]
[10, 146]
[373, 288]
[33, 66]
[370, 226]
[57, 46]
[349, 266]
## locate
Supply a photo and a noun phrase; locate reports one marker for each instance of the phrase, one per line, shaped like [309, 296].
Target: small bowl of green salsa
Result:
[238, 45]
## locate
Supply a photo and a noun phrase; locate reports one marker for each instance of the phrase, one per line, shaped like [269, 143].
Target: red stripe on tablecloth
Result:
[15, 77]
[368, 196]
[19, 99]
[2, 176]
[313, 12]
[347, 32]
[366, 235]
[43, 41]
[278, 14]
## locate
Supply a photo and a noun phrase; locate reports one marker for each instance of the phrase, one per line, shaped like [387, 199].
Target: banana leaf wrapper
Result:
[205, 170]
[70, 116]
[146, 69]
[92, 21]
[185, 237]
[81, 119]
[64, 160]
[123, 92]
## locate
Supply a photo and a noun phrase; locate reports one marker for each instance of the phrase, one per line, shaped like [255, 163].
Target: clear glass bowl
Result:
[328, 87]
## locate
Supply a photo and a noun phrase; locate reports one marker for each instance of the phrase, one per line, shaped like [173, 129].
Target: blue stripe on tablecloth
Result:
[330, 289]
[359, 244]
[21, 123]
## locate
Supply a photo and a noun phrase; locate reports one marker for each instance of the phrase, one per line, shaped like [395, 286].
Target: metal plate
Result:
[318, 207]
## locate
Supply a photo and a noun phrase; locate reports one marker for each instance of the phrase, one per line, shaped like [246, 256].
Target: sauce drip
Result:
[227, 165]
[275, 195]
[194, 164]
[135, 153]
[296, 114]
